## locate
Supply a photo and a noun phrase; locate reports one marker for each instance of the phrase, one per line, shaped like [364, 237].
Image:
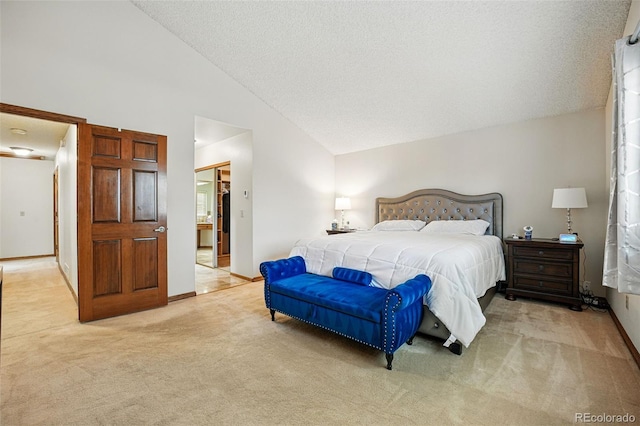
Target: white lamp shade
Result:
[569, 198]
[343, 203]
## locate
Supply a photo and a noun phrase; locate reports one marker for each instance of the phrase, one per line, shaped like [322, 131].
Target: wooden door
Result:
[122, 243]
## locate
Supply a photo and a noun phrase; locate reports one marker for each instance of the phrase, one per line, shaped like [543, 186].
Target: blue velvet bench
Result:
[346, 304]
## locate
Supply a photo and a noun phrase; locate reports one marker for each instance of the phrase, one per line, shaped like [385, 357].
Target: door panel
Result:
[106, 194]
[144, 198]
[107, 268]
[122, 246]
[145, 263]
[143, 151]
[106, 146]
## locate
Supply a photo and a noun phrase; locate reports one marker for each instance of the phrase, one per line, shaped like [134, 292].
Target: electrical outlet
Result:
[626, 301]
[586, 286]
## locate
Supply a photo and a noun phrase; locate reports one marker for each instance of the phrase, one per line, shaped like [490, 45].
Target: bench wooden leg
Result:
[389, 360]
[273, 314]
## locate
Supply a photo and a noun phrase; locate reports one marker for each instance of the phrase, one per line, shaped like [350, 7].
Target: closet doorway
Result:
[213, 216]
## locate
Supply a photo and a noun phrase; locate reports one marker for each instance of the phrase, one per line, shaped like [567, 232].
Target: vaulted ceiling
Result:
[357, 74]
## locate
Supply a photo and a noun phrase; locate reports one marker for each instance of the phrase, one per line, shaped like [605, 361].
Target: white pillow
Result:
[399, 225]
[475, 227]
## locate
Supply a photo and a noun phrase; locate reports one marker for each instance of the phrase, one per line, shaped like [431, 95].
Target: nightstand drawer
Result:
[543, 253]
[547, 286]
[525, 266]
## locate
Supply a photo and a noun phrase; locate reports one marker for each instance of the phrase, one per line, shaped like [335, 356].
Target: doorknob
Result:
[161, 229]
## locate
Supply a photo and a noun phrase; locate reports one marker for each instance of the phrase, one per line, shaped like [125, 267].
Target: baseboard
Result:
[181, 296]
[254, 279]
[66, 280]
[27, 257]
[625, 337]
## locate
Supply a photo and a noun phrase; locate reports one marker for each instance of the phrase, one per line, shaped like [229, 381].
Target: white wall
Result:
[66, 161]
[113, 65]
[239, 151]
[523, 161]
[26, 193]
[626, 307]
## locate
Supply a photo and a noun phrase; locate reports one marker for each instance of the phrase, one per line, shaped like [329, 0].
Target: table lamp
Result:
[569, 198]
[342, 204]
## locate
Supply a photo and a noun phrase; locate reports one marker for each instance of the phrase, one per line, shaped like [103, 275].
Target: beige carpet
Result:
[218, 359]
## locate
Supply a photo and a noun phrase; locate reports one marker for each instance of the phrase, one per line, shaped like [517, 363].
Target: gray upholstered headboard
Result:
[440, 204]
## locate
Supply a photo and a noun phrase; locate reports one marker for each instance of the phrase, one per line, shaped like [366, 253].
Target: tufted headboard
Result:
[440, 204]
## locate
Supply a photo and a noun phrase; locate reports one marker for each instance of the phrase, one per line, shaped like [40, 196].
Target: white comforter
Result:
[461, 267]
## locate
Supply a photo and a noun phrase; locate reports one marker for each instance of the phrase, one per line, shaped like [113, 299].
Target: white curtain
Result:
[622, 249]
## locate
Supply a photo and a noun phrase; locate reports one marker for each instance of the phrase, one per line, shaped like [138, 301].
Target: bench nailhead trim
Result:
[328, 329]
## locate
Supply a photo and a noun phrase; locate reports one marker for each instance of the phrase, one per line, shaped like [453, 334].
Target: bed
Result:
[455, 239]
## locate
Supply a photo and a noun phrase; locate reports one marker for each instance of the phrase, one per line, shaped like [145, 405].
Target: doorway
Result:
[214, 227]
[56, 221]
[53, 138]
[219, 144]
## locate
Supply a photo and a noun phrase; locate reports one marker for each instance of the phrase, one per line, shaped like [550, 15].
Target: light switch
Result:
[21, 213]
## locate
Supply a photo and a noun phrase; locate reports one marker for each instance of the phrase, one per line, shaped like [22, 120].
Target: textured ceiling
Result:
[357, 75]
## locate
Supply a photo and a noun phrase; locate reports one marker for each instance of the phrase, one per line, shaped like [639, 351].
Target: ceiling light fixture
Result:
[17, 131]
[23, 152]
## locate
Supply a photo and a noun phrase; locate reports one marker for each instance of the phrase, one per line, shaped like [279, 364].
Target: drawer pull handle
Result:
[539, 283]
[541, 267]
[541, 252]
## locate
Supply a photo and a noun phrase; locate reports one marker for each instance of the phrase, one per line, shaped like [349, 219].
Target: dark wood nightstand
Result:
[544, 269]
[339, 231]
